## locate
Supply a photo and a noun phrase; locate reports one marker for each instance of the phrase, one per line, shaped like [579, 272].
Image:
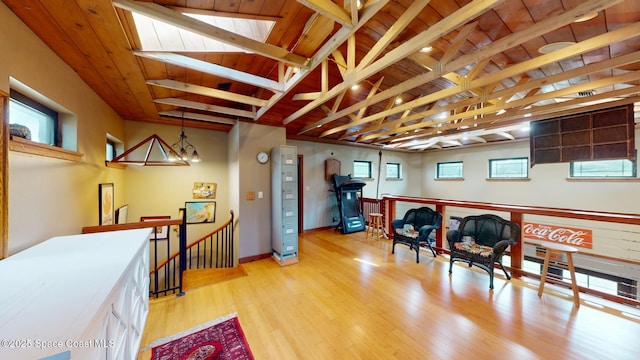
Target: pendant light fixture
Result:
[183, 147]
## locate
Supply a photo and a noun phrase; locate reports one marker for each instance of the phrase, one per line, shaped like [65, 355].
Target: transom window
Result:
[393, 170]
[512, 168]
[32, 120]
[449, 170]
[361, 169]
[603, 168]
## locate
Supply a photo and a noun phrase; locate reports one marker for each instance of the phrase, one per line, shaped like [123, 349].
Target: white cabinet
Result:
[79, 297]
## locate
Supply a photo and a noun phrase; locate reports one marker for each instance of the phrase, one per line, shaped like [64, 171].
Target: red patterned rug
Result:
[220, 339]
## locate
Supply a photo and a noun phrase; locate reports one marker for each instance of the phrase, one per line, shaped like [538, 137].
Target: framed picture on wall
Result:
[121, 214]
[105, 204]
[202, 190]
[160, 232]
[199, 212]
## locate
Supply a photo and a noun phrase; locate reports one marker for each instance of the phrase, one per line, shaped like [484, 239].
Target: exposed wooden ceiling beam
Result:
[398, 27]
[581, 47]
[179, 20]
[538, 29]
[330, 10]
[476, 115]
[444, 26]
[199, 117]
[206, 107]
[212, 69]
[327, 49]
[205, 91]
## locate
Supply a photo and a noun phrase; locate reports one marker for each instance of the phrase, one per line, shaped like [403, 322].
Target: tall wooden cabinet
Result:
[284, 201]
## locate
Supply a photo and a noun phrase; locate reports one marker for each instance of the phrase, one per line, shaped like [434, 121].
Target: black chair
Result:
[422, 220]
[481, 240]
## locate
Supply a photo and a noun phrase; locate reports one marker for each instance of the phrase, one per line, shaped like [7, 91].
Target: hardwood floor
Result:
[350, 298]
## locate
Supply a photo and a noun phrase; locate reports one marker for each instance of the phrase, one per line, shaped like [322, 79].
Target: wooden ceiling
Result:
[482, 81]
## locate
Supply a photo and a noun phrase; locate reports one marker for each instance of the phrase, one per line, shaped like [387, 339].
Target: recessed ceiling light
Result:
[554, 46]
[398, 100]
[355, 87]
[586, 17]
[427, 48]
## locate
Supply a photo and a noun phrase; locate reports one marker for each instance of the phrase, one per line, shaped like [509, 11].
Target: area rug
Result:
[220, 339]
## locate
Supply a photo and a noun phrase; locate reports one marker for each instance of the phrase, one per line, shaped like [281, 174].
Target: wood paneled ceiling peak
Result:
[482, 81]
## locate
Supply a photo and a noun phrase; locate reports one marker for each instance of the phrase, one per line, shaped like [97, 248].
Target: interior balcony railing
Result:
[170, 256]
[607, 263]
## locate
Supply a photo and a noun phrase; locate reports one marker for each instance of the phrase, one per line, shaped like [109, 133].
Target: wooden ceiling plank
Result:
[398, 27]
[498, 46]
[206, 91]
[206, 107]
[330, 10]
[179, 20]
[213, 69]
[411, 46]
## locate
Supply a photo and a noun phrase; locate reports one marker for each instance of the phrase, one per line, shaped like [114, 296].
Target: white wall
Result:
[548, 185]
[163, 190]
[50, 197]
[254, 230]
[320, 207]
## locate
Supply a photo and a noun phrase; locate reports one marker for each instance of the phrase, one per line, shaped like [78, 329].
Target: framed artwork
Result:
[202, 190]
[199, 212]
[105, 204]
[121, 214]
[161, 232]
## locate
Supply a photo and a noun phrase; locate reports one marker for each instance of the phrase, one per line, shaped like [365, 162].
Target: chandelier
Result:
[183, 147]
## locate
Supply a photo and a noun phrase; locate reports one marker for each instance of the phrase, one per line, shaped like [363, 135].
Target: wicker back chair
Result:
[422, 220]
[481, 240]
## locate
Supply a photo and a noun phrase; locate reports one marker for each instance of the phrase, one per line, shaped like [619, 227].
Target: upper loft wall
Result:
[320, 203]
[50, 197]
[163, 190]
[548, 185]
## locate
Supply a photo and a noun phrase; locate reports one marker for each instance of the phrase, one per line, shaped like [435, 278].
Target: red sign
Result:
[558, 234]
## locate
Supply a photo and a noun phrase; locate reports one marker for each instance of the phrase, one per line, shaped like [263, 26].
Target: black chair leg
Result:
[491, 278]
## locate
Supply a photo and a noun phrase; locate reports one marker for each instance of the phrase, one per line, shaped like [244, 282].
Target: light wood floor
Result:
[350, 298]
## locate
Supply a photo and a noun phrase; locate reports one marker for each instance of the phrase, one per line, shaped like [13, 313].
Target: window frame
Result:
[492, 176]
[398, 166]
[362, 162]
[35, 106]
[438, 170]
[633, 175]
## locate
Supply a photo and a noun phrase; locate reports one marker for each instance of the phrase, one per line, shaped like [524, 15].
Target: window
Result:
[513, 168]
[111, 150]
[41, 121]
[449, 170]
[361, 169]
[603, 168]
[393, 171]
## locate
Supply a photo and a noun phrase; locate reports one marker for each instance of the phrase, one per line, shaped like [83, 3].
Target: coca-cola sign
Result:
[558, 234]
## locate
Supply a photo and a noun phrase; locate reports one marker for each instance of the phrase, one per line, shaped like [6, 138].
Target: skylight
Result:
[156, 35]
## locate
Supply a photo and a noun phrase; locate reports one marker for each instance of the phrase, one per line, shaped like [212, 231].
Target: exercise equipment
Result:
[349, 196]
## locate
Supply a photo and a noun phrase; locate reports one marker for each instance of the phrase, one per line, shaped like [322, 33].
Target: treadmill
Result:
[349, 196]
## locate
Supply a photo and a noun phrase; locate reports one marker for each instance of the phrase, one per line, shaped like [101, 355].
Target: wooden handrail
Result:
[620, 218]
[516, 214]
[129, 226]
[203, 238]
